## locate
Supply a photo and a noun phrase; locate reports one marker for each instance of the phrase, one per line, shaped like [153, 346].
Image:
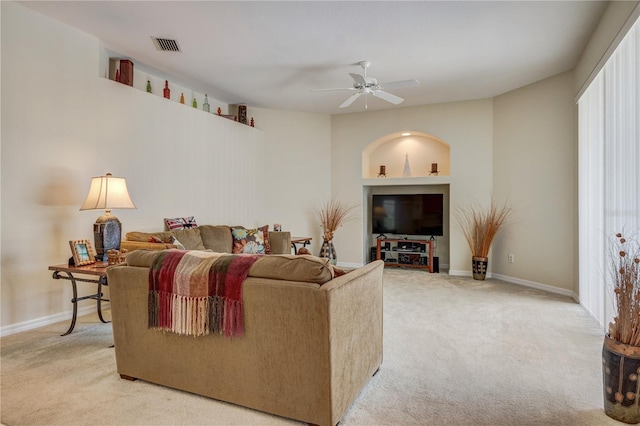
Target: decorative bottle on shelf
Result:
[118, 76]
[148, 86]
[205, 105]
[195, 103]
[407, 169]
[182, 98]
[219, 111]
[167, 92]
[252, 122]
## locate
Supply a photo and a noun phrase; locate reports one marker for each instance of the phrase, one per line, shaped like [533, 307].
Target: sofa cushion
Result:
[176, 223]
[255, 241]
[216, 238]
[189, 238]
[306, 268]
[142, 257]
[147, 237]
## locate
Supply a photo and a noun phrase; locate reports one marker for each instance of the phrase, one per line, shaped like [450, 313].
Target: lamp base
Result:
[107, 232]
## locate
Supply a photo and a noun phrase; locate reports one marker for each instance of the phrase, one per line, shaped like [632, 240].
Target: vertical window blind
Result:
[609, 170]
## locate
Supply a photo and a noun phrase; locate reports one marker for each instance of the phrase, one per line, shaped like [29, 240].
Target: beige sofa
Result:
[205, 237]
[312, 339]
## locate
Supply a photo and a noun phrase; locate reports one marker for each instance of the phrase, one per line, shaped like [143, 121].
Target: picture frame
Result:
[83, 252]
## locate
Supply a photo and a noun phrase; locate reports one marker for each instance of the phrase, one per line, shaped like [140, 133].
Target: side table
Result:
[98, 273]
[299, 240]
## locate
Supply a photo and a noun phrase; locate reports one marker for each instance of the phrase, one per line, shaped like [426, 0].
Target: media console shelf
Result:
[406, 253]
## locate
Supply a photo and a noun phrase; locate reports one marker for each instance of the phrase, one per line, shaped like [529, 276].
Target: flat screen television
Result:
[408, 214]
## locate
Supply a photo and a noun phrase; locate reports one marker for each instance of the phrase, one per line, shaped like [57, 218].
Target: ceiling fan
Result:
[369, 85]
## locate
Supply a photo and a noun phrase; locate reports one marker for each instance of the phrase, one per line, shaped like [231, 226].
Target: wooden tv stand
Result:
[406, 253]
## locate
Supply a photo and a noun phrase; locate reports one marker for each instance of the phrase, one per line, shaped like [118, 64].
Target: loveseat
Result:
[312, 339]
[217, 238]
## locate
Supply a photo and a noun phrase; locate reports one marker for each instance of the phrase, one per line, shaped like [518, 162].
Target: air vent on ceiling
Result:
[166, 44]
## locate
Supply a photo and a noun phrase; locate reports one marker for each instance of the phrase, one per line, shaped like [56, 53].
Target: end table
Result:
[299, 240]
[97, 271]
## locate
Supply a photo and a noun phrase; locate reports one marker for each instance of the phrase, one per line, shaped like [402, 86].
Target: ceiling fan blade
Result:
[399, 84]
[388, 97]
[350, 100]
[358, 78]
[330, 90]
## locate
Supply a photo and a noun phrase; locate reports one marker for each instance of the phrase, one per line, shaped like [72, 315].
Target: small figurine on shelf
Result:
[148, 86]
[182, 98]
[252, 122]
[195, 103]
[167, 92]
[219, 111]
[205, 105]
[118, 76]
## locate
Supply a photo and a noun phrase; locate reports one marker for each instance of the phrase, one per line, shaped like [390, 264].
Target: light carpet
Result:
[456, 352]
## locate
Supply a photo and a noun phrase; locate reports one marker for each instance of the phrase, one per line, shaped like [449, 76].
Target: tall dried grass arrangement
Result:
[480, 225]
[625, 268]
[332, 215]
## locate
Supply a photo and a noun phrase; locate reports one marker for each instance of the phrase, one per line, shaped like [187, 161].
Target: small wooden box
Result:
[126, 72]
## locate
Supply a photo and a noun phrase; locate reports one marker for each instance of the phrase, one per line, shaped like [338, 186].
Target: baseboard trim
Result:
[48, 320]
[458, 273]
[524, 283]
[538, 286]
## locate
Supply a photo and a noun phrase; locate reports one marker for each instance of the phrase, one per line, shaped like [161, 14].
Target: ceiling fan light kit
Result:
[362, 84]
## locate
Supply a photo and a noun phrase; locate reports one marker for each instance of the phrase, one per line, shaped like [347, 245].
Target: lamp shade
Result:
[106, 193]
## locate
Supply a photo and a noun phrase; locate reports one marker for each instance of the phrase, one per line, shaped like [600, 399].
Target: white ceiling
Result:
[271, 54]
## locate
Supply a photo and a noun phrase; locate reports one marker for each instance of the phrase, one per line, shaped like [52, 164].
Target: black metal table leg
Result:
[101, 281]
[56, 276]
[98, 296]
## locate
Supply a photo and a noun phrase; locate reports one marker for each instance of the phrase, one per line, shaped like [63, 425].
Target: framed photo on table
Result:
[83, 252]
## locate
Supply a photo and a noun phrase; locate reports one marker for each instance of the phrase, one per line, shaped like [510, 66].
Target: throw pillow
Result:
[158, 239]
[180, 223]
[190, 238]
[177, 243]
[254, 241]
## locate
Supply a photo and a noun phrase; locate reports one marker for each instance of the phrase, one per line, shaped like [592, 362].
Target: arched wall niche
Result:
[421, 149]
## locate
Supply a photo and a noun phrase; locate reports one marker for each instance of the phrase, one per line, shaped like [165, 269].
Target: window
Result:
[609, 169]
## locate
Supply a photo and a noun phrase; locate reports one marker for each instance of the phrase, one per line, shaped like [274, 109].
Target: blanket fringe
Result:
[171, 312]
[233, 318]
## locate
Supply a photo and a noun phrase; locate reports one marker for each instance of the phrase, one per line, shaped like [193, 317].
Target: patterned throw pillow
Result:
[180, 223]
[255, 241]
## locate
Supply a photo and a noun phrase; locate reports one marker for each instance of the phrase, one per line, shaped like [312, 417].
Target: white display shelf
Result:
[422, 180]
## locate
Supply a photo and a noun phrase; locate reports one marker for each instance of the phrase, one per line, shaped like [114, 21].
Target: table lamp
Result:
[107, 192]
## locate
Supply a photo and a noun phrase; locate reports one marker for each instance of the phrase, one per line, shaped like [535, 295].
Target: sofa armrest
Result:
[280, 242]
[136, 245]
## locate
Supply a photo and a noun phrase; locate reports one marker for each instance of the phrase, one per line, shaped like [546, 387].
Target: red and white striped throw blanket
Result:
[197, 293]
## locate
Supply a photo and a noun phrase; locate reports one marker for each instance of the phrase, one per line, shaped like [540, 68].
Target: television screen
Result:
[415, 214]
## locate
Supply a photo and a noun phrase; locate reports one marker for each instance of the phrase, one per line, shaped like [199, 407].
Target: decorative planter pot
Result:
[479, 267]
[329, 251]
[620, 373]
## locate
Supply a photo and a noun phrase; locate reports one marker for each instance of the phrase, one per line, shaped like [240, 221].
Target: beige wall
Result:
[63, 124]
[466, 126]
[535, 167]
